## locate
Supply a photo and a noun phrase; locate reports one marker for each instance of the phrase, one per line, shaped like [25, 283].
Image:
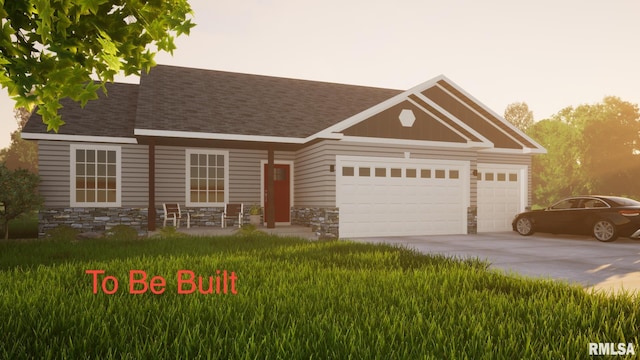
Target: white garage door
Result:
[501, 195]
[385, 196]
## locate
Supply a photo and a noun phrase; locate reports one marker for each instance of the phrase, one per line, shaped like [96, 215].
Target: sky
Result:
[548, 54]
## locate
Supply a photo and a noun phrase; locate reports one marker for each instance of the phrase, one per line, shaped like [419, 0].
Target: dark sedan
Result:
[605, 217]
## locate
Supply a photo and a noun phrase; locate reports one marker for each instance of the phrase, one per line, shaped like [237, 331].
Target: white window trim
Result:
[187, 177]
[72, 178]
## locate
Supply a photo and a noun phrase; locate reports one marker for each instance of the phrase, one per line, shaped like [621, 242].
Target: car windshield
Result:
[620, 201]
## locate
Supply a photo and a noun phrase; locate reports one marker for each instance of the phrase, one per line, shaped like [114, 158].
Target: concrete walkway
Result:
[609, 267]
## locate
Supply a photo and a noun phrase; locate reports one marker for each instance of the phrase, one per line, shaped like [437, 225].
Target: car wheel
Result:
[605, 230]
[524, 226]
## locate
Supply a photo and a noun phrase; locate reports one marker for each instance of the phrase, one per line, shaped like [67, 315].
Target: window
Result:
[95, 175]
[207, 177]
[364, 171]
[381, 172]
[425, 173]
[440, 174]
[347, 171]
[396, 173]
[594, 203]
[411, 173]
[566, 204]
[513, 177]
[454, 174]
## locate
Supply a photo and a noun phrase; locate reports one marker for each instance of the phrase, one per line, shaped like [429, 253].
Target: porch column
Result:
[151, 217]
[271, 203]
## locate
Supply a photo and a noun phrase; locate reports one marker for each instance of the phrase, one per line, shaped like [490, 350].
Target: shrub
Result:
[121, 232]
[63, 233]
[24, 227]
[168, 232]
[249, 230]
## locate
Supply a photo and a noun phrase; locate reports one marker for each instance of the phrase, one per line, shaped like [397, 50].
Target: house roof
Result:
[114, 112]
[182, 99]
[185, 103]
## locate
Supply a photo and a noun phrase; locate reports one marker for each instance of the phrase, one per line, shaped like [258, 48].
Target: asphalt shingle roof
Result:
[206, 101]
[111, 115]
[195, 100]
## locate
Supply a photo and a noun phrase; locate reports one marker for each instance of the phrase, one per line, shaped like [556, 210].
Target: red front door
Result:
[282, 190]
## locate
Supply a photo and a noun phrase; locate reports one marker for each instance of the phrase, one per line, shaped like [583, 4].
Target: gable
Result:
[489, 125]
[444, 115]
[387, 124]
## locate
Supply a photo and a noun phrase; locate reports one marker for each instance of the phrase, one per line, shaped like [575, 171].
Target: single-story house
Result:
[349, 160]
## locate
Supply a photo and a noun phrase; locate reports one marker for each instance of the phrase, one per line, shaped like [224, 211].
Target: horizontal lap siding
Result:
[170, 175]
[54, 160]
[315, 184]
[135, 175]
[53, 169]
[244, 174]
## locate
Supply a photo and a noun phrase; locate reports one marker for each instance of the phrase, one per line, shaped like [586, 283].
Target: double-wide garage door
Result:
[387, 196]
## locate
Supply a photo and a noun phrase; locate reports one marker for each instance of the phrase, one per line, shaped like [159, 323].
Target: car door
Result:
[593, 209]
[560, 217]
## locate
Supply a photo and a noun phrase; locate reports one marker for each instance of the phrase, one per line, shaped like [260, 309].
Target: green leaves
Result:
[109, 52]
[18, 193]
[50, 50]
[91, 6]
[591, 149]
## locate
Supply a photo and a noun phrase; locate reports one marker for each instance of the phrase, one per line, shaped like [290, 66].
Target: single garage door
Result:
[501, 195]
[398, 197]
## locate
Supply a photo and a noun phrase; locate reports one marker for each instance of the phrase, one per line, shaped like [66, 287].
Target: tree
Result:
[49, 50]
[591, 149]
[519, 115]
[557, 173]
[21, 154]
[609, 145]
[18, 195]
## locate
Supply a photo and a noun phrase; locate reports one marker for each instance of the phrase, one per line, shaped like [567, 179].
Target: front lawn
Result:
[295, 299]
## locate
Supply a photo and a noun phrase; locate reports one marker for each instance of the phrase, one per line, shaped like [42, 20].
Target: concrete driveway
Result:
[609, 267]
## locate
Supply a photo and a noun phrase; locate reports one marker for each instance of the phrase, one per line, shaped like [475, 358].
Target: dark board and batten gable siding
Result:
[460, 111]
[386, 124]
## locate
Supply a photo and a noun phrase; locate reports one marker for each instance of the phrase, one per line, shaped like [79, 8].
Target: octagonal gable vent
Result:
[407, 117]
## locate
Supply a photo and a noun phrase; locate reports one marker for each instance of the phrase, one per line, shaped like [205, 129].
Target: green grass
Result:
[296, 299]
